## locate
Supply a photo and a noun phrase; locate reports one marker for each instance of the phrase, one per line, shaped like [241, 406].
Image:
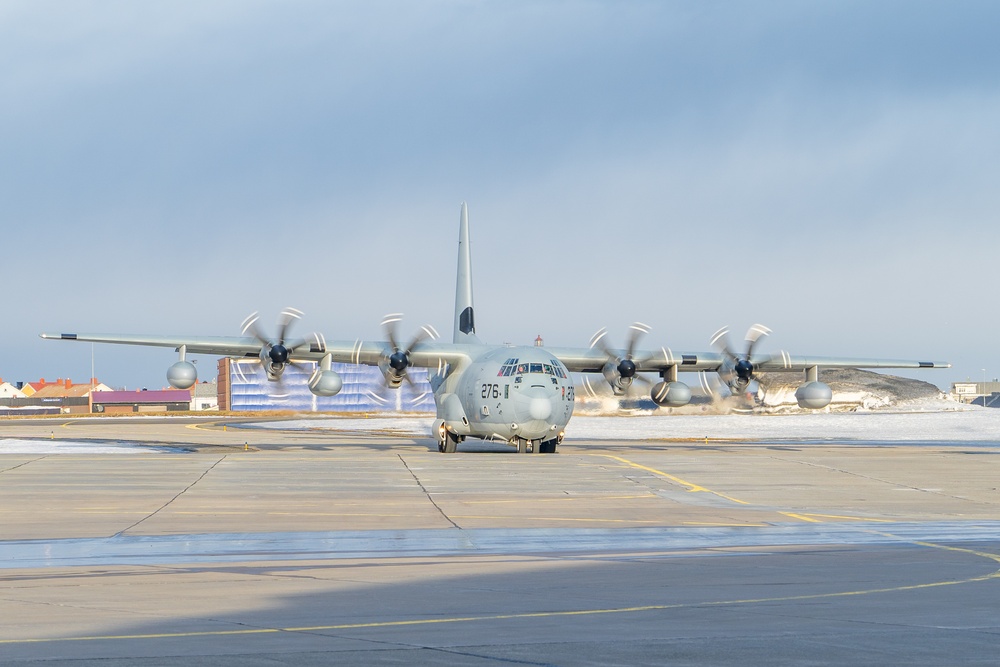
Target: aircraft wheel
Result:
[548, 447]
[536, 446]
[450, 443]
[522, 446]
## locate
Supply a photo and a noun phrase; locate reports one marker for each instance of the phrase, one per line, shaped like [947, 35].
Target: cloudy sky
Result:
[828, 169]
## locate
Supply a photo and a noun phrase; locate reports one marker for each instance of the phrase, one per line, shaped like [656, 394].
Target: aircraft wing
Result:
[787, 362]
[314, 348]
[590, 360]
[227, 346]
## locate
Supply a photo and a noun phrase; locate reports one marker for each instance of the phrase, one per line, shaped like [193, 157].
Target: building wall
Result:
[967, 392]
[364, 390]
[7, 390]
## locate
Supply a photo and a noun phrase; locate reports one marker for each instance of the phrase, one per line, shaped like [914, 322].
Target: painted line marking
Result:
[692, 487]
[849, 518]
[725, 525]
[559, 500]
[544, 614]
[553, 518]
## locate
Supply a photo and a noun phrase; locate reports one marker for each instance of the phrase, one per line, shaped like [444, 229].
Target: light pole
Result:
[984, 388]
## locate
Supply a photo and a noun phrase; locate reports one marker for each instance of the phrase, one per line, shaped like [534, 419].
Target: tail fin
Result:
[465, 319]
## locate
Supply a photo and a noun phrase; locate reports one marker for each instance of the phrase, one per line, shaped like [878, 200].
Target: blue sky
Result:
[827, 169]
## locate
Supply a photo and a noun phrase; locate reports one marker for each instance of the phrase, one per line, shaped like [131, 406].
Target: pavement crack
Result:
[484, 656]
[427, 493]
[21, 465]
[169, 502]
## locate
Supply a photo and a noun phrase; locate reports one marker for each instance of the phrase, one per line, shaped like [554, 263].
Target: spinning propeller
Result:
[738, 370]
[395, 364]
[399, 359]
[620, 369]
[275, 353]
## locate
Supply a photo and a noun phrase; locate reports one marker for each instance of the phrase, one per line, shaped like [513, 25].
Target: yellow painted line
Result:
[848, 518]
[982, 554]
[252, 513]
[553, 518]
[800, 517]
[543, 614]
[692, 487]
[522, 501]
[725, 525]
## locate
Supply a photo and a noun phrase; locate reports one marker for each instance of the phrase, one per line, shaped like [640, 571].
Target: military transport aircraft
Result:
[523, 396]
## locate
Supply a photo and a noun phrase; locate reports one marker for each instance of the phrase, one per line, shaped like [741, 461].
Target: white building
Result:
[969, 391]
[7, 390]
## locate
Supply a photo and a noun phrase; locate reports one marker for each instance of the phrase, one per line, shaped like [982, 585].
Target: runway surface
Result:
[217, 545]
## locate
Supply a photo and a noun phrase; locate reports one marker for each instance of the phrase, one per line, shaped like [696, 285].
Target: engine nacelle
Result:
[326, 383]
[670, 394]
[814, 395]
[182, 375]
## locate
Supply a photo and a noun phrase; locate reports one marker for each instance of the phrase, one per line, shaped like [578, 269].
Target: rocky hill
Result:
[853, 389]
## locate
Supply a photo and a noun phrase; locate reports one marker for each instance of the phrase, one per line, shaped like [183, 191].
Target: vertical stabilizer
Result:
[465, 318]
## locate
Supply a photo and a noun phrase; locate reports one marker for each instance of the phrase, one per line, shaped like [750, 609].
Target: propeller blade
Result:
[389, 323]
[285, 320]
[710, 385]
[621, 366]
[754, 335]
[399, 358]
[599, 341]
[720, 340]
[636, 331]
[250, 326]
[426, 332]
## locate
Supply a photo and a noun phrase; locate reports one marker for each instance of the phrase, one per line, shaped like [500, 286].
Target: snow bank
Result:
[15, 446]
[980, 425]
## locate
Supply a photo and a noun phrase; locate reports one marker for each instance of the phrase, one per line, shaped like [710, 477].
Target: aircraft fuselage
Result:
[514, 394]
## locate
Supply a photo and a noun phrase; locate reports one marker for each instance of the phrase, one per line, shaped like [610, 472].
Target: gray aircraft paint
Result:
[473, 397]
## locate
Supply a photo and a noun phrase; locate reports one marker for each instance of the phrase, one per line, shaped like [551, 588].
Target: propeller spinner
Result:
[620, 369]
[739, 370]
[398, 360]
[275, 353]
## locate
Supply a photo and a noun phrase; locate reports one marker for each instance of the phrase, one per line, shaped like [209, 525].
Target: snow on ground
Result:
[14, 446]
[975, 425]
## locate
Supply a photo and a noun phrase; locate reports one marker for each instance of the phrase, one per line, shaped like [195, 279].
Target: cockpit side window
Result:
[508, 368]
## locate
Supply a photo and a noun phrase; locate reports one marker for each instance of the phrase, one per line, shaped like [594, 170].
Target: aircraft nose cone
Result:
[540, 408]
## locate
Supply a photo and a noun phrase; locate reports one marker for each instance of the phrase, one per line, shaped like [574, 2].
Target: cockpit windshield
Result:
[514, 367]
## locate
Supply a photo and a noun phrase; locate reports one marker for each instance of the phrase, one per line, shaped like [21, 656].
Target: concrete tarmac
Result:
[225, 546]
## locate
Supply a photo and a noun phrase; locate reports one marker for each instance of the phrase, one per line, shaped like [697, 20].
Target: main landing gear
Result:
[536, 446]
[448, 441]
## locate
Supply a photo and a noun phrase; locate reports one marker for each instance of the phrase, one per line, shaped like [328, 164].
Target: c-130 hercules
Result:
[520, 395]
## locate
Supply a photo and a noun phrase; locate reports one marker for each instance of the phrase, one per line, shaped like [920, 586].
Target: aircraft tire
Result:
[450, 443]
[522, 446]
[548, 447]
